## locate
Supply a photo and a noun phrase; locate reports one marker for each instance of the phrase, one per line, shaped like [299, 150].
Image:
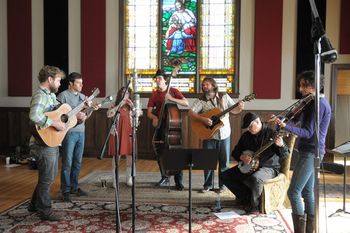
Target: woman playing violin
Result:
[302, 182]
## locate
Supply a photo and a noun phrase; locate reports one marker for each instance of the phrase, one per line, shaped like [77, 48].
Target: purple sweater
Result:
[306, 132]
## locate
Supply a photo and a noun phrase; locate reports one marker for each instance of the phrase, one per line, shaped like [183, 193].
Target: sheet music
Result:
[227, 215]
[343, 148]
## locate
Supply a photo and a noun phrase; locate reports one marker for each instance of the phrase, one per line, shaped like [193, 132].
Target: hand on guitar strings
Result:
[207, 121]
[59, 125]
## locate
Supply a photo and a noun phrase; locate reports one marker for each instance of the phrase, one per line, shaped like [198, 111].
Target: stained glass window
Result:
[198, 33]
[217, 44]
[141, 33]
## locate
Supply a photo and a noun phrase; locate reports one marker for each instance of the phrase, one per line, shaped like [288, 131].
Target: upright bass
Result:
[167, 134]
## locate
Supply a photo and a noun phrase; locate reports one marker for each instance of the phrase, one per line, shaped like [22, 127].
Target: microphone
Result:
[328, 53]
[137, 107]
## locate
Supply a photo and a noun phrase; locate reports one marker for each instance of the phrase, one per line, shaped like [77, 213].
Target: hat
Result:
[160, 72]
[248, 118]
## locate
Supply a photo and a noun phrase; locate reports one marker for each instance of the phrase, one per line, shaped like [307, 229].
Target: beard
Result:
[53, 89]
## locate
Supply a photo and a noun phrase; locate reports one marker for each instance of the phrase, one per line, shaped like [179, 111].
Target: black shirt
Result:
[270, 157]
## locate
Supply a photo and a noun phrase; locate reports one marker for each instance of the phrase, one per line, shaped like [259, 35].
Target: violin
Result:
[294, 110]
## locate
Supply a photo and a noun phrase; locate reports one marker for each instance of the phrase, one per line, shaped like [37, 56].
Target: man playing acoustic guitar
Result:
[248, 186]
[73, 144]
[221, 139]
[44, 100]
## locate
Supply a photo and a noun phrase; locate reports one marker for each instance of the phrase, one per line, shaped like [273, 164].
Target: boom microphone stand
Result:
[324, 52]
[116, 159]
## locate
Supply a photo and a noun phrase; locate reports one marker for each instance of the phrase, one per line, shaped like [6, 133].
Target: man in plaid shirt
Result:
[44, 100]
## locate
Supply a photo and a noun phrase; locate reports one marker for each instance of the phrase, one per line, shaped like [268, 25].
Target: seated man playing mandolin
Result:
[258, 152]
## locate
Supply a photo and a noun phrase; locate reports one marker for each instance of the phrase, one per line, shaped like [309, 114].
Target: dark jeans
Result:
[247, 187]
[47, 162]
[224, 159]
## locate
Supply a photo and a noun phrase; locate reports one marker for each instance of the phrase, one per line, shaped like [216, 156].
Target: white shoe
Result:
[129, 181]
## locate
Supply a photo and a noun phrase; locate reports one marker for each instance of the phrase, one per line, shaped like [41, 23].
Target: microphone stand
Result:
[328, 56]
[115, 123]
[133, 166]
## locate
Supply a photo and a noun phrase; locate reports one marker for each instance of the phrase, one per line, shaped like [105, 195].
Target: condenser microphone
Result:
[137, 106]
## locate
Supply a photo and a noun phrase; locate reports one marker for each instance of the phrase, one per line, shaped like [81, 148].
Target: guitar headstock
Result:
[95, 92]
[107, 100]
[249, 97]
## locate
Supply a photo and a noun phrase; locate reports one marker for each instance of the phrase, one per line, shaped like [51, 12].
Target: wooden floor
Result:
[17, 184]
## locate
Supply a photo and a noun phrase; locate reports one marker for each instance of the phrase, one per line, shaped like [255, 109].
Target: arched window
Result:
[200, 34]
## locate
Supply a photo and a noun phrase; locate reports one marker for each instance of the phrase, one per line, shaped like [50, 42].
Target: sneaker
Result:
[205, 189]
[79, 192]
[163, 182]
[222, 189]
[31, 208]
[66, 197]
[129, 181]
[51, 217]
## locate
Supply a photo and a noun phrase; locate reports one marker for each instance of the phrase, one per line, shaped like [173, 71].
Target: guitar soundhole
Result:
[64, 118]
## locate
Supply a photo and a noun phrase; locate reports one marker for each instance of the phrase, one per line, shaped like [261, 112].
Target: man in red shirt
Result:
[154, 105]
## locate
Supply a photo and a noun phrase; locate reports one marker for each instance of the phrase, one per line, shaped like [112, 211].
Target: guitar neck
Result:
[227, 110]
[77, 109]
[80, 106]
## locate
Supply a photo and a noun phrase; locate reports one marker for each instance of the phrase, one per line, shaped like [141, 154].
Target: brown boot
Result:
[299, 222]
[310, 221]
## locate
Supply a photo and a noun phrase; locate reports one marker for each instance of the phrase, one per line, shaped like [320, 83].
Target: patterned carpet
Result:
[146, 192]
[84, 216]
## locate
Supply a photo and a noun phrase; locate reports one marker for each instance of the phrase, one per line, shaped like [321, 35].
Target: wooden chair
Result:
[274, 195]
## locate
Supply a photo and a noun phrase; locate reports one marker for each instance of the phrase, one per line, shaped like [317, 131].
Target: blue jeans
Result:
[302, 185]
[72, 154]
[224, 160]
[47, 162]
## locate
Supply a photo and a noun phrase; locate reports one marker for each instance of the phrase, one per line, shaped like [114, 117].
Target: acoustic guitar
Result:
[88, 111]
[50, 135]
[206, 132]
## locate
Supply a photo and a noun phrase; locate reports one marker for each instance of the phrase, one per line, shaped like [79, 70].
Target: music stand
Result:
[190, 159]
[336, 151]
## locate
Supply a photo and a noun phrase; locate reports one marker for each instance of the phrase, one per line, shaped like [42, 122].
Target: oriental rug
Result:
[98, 184]
[87, 216]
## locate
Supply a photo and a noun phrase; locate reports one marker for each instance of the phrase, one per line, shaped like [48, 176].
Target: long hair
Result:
[120, 95]
[212, 82]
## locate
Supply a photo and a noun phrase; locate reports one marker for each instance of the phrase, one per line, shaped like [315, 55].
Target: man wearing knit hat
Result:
[247, 187]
